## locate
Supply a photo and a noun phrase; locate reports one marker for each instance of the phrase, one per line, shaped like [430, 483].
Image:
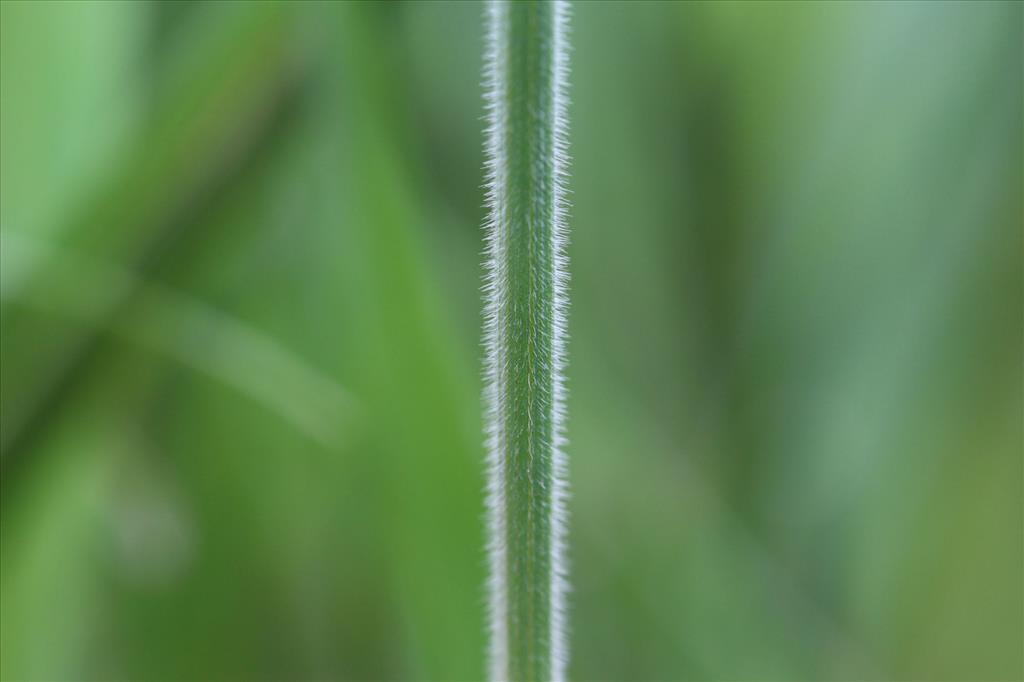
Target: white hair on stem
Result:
[526, 300]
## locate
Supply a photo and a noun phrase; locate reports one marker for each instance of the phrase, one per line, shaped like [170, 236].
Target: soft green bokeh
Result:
[240, 415]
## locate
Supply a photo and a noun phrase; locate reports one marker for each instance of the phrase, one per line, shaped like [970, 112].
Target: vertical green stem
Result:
[526, 73]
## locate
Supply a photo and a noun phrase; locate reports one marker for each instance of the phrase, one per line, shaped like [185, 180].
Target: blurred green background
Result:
[241, 260]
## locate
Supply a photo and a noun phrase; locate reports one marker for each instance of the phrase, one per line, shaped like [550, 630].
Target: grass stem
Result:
[526, 77]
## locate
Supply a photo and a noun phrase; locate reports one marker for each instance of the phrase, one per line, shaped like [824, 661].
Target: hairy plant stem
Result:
[525, 74]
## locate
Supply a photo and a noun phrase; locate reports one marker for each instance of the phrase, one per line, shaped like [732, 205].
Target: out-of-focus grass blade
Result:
[70, 76]
[228, 76]
[407, 367]
[186, 330]
[48, 575]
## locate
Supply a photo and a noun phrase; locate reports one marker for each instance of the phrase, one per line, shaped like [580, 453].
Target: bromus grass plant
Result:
[526, 74]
